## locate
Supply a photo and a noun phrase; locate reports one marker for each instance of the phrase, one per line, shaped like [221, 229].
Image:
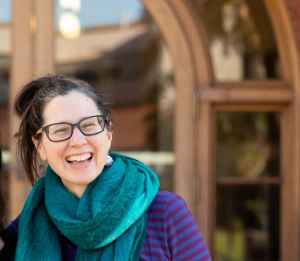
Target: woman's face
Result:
[79, 160]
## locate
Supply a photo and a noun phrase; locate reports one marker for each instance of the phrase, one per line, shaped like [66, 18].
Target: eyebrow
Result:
[71, 122]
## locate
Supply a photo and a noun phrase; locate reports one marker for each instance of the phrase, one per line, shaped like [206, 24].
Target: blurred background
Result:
[204, 92]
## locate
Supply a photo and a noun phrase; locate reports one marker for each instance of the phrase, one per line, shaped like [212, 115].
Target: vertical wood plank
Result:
[21, 72]
[204, 202]
[286, 200]
[32, 56]
[44, 38]
[168, 21]
[286, 41]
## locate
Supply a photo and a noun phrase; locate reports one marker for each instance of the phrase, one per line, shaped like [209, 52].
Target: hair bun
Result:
[25, 98]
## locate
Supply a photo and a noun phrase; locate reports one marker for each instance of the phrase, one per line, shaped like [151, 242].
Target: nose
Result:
[77, 138]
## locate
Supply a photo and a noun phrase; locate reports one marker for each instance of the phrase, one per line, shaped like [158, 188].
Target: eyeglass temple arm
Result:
[39, 131]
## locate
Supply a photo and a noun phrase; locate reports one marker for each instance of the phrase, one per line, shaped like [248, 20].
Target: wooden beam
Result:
[44, 38]
[248, 181]
[254, 84]
[199, 3]
[238, 95]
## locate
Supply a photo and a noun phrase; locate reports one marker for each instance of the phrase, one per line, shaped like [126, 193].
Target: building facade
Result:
[217, 83]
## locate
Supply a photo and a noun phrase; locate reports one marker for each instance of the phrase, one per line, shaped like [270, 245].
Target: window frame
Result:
[253, 95]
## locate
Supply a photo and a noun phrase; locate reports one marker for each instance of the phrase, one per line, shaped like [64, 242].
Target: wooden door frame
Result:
[181, 36]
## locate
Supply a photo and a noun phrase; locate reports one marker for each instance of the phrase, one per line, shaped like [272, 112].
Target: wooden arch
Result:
[186, 39]
[189, 54]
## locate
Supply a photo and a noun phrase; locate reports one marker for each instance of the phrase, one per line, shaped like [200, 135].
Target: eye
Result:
[88, 125]
[60, 130]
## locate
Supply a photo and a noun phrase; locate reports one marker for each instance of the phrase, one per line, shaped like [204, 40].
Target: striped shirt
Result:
[172, 233]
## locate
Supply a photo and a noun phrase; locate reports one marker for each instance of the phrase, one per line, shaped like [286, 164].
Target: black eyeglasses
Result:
[63, 131]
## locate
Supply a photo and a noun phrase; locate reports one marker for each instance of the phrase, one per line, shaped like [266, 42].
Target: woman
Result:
[91, 206]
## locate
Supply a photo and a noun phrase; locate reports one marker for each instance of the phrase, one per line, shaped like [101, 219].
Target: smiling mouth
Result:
[81, 159]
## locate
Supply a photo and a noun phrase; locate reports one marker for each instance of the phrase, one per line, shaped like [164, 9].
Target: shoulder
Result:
[10, 237]
[169, 204]
[176, 213]
[12, 229]
[155, 245]
[178, 228]
[166, 199]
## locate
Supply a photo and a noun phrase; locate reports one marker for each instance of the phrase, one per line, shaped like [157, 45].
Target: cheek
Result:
[101, 146]
[43, 154]
[54, 153]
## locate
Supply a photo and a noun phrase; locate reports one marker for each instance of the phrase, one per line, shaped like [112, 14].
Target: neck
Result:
[76, 190]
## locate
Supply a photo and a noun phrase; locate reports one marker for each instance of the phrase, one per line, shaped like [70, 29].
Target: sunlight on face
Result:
[79, 160]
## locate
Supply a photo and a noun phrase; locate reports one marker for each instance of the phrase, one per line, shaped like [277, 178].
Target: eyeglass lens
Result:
[89, 126]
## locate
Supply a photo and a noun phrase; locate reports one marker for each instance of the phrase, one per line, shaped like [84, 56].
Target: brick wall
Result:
[294, 9]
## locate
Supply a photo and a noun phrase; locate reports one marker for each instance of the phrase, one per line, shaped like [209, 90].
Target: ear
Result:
[40, 149]
[109, 137]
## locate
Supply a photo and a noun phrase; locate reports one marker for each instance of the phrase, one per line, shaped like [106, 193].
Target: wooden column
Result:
[32, 56]
[174, 37]
[21, 72]
[289, 54]
[44, 38]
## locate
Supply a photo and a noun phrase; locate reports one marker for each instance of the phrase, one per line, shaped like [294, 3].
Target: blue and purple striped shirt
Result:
[172, 233]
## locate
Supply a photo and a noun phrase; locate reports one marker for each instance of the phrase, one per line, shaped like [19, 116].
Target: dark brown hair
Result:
[29, 106]
[2, 201]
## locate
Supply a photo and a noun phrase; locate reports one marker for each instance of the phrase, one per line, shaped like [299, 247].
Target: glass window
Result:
[117, 48]
[247, 223]
[248, 144]
[247, 186]
[241, 40]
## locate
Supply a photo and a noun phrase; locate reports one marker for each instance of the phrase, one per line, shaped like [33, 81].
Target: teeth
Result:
[80, 157]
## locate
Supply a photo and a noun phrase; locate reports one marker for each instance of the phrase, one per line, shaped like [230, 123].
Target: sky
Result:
[92, 12]
[5, 11]
[103, 12]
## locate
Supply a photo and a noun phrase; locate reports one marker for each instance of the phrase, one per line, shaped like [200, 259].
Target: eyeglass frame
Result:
[45, 128]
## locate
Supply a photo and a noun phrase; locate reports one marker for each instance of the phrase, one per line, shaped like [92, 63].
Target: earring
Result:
[42, 168]
[109, 161]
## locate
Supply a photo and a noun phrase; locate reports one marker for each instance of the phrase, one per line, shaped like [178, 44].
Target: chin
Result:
[84, 181]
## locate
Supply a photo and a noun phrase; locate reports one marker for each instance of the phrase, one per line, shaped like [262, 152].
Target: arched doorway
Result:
[212, 98]
[279, 96]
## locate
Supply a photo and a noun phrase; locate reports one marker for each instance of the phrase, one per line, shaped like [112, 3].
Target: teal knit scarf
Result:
[109, 222]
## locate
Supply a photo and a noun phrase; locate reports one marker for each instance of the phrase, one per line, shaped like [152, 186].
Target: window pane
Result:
[5, 11]
[247, 223]
[241, 40]
[248, 144]
[118, 49]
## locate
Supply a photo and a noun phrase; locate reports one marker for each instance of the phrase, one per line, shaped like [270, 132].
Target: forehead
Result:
[69, 108]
